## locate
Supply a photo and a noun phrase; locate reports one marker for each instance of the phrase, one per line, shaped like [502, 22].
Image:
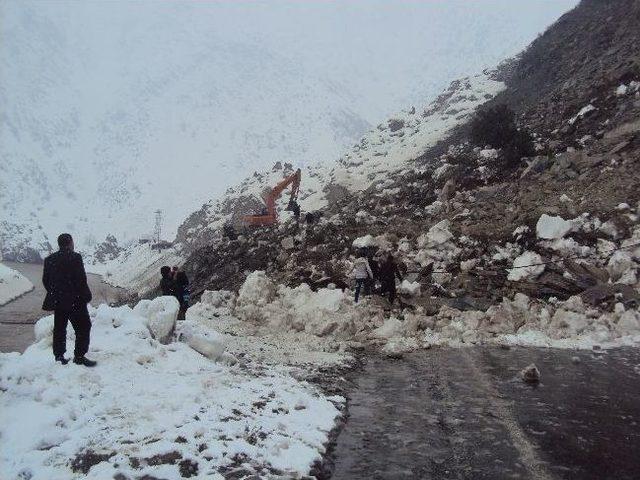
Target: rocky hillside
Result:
[488, 229]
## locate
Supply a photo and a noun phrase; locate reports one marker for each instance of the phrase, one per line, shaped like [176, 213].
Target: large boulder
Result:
[160, 315]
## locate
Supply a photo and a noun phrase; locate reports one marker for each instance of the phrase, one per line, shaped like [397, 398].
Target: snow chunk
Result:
[583, 111]
[410, 288]
[364, 242]
[489, 154]
[437, 235]
[550, 228]
[12, 284]
[526, 267]
[160, 316]
[619, 263]
[622, 90]
[392, 327]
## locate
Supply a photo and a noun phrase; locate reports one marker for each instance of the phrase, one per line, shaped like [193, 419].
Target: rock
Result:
[536, 165]
[619, 263]
[396, 124]
[328, 329]
[287, 243]
[575, 359]
[526, 266]
[552, 227]
[530, 374]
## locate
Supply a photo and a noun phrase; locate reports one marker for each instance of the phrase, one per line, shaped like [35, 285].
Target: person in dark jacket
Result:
[388, 273]
[68, 293]
[182, 293]
[167, 284]
[370, 285]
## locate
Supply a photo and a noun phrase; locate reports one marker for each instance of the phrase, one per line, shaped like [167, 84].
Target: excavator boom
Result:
[271, 215]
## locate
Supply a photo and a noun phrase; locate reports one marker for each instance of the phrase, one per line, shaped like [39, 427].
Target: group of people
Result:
[68, 293]
[175, 283]
[367, 271]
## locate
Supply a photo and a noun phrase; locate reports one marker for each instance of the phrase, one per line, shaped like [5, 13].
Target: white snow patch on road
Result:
[146, 399]
[12, 284]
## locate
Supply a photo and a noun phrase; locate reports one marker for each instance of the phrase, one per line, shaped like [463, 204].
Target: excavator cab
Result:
[269, 215]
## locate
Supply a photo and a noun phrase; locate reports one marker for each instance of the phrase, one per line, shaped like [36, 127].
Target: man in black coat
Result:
[68, 293]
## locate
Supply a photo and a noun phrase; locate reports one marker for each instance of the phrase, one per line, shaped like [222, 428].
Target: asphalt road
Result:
[17, 317]
[465, 414]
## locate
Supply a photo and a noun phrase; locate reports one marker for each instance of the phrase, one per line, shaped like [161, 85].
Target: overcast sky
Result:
[108, 95]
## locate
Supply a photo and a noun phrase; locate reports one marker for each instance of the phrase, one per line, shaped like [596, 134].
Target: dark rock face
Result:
[587, 53]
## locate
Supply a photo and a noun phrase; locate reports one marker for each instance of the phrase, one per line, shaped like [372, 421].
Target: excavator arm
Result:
[270, 200]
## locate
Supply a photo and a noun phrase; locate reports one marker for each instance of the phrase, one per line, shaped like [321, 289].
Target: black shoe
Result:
[84, 361]
[62, 360]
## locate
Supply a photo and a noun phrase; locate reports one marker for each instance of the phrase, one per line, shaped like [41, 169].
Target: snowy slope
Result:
[111, 113]
[12, 284]
[387, 149]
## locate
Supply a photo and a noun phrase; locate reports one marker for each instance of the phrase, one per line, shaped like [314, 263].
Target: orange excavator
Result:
[269, 215]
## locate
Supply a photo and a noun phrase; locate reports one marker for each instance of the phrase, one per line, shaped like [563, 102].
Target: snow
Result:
[12, 284]
[409, 288]
[583, 111]
[552, 227]
[146, 399]
[438, 234]
[160, 316]
[137, 269]
[364, 242]
[488, 154]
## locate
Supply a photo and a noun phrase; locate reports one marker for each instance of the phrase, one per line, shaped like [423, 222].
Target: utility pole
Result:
[158, 226]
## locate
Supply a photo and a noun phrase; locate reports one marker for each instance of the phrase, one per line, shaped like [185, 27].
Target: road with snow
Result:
[465, 414]
[17, 317]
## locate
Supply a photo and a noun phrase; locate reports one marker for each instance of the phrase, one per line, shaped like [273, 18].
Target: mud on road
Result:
[465, 414]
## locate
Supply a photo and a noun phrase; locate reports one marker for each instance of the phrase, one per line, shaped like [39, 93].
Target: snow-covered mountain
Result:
[109, 111]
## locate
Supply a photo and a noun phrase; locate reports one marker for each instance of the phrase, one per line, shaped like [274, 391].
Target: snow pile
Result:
[153, 410]
[550, 228]
[321, 313]
[523, 321]
[12, 284]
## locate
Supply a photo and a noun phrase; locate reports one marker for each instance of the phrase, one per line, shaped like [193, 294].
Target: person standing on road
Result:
[362, 272]
[68, 293]
[388, 273]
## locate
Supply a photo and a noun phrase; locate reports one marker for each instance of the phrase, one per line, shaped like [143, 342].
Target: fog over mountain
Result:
[111, 110]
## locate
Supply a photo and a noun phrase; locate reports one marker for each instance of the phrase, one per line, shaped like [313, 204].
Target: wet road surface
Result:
[17, 317]
[465, 414]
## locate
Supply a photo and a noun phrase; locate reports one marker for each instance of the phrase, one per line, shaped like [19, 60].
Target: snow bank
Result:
[525, 322]
[550, 228]
[151, 410]
[12, 284]
[321, 313]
